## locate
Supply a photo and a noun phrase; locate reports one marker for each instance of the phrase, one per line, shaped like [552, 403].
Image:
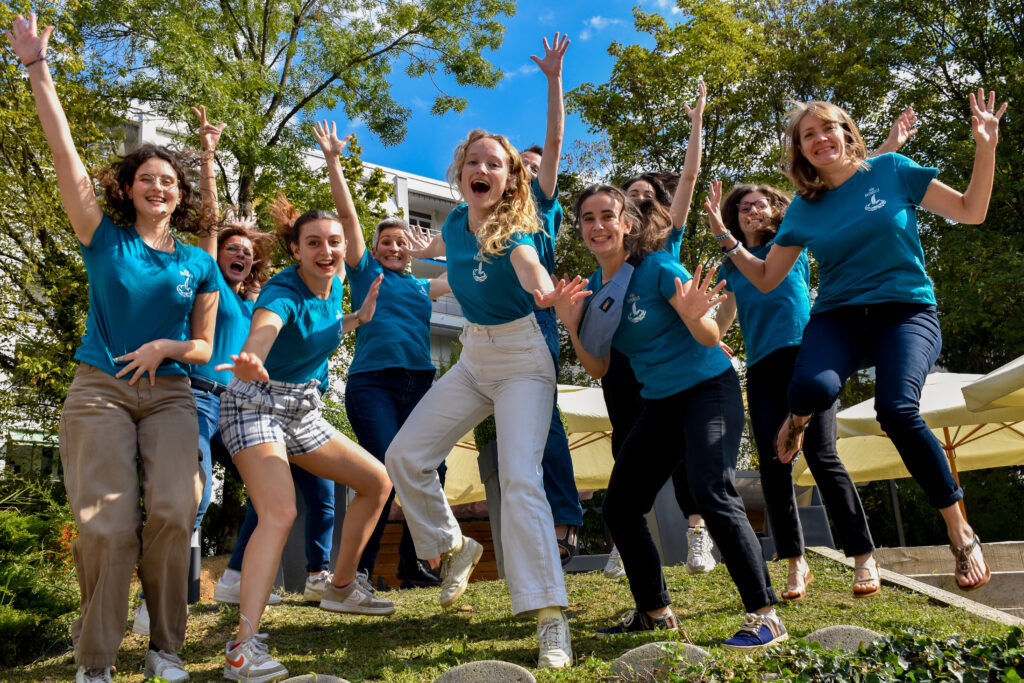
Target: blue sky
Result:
[516, 108]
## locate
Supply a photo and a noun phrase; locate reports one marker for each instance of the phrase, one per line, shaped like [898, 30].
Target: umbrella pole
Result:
[951, 458]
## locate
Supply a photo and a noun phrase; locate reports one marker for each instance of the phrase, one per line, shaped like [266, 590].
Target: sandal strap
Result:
[963, 554]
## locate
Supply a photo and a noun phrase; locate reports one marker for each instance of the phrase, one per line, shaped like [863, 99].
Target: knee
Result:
[813, 393]
[278, 516]
[893, 414]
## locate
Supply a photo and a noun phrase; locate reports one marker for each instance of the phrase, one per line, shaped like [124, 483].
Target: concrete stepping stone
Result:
[487, 671]
[641, 663]
[842, 637]
[314, 678]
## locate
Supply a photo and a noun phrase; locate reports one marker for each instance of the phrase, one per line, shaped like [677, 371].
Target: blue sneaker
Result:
[758, 632]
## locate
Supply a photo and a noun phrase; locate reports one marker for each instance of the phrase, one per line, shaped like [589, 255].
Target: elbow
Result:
[203, 352]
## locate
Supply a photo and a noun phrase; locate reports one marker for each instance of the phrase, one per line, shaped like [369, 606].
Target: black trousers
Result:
[711, 414]
[767, 384]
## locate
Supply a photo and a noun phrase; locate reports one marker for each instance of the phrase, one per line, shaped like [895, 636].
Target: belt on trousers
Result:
[203, 384]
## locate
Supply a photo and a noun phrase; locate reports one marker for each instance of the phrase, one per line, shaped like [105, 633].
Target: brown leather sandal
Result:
[790, 439]
[963, 564]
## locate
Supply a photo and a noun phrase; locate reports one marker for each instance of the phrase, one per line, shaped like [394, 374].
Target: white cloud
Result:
[668, 6]
[595, 24]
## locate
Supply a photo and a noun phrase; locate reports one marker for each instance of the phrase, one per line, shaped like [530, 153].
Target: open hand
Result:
[143, 360]
[696, 113]
[985, 118]
[369, 307]
[695, 303]
[551, 65]
[209, 134]
[564, 292]
[247, 367]
[713, 207]
[328, 139]
[25, 40]
[419, 240]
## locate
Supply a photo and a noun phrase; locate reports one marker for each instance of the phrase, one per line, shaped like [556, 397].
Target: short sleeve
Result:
[675, 241]
[521, 239]
[668, 271]
[368, 267]
[913, 177]
[210, 282]
[279, 300]
[787, 235]
[453, 215]
[103, 235]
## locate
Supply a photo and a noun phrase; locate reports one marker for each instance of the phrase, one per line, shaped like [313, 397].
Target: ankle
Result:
[546, 613]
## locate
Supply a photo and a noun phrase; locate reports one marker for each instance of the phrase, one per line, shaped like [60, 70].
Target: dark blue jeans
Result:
[902, 341]
[559, 477]
[378, 403]
[706, 446]
[767, 383]
[622, 398]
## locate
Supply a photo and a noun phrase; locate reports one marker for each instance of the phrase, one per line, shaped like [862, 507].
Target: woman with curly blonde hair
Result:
[505, 369]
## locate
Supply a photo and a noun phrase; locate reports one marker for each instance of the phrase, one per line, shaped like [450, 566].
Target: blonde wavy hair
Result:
[796, 166]
[515, 212]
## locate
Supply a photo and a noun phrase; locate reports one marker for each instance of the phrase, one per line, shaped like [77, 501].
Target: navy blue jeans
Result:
[559, 477]
[902, 341]
[706, 446]
[378, 403]
[767, 383]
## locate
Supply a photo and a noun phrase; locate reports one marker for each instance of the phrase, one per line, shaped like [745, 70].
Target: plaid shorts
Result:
[254, 413]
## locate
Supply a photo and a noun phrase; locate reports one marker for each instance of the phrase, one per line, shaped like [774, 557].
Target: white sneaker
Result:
[613, 569]
[251, 662]
[555, 645]
[230, 593]
[456, 566]
[699, 559]
[84, 675]
[315, 584]
[165, 665]
[140, 624]
[354, 599]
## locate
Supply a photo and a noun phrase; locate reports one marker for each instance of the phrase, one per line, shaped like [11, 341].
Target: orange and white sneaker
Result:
[249, 661]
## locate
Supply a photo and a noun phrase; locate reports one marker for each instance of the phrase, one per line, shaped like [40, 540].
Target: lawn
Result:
[419, 641]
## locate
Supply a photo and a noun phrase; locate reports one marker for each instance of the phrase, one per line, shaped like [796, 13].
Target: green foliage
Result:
[268, 67]
[903, 656]
[38, 594]
[43, 296]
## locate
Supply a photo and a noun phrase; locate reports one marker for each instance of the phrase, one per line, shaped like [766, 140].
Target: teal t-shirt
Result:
[398, 336]
[489, 293]
[233, 317]
[863, 234]
[138, 294]
[770, 320]
[311, 332]
[663, 354]
[550, 211]
[675, 241]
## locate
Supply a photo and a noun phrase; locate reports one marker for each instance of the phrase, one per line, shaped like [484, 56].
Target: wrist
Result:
[359, 321]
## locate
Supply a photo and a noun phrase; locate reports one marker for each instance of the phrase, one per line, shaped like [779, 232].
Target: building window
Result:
[422, 220]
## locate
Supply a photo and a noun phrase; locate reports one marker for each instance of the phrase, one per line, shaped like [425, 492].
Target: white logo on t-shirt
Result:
[183, 289]
[875, 204]
[635, 314]
[478, 273]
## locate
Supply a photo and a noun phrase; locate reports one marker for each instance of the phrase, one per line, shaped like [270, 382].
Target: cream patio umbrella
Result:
[589, 433]
[971, 440]
[1001, 388]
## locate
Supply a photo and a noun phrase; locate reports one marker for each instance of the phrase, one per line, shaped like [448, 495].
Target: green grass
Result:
[419, 641]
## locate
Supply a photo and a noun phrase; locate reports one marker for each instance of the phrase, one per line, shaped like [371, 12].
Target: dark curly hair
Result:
[778, 200]
[187, 215]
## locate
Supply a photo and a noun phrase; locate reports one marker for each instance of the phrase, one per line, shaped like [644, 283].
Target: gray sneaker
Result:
[99, 675]
[231, 593]
[315, 583]
[165, 665]
[699, 559]
[456, 566]
[354, 599]
[250, 661]
[555, 645]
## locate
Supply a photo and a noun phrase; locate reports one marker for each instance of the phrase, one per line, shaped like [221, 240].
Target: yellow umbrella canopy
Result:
[589, 433]
[971, 440]
[1001, 388]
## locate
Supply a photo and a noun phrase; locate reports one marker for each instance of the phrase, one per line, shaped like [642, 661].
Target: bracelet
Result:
[730, 252]
[359, 321]
[719, 238]
[39, 58]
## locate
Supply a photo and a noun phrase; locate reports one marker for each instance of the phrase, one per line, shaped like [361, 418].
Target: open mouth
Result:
[479, 187]
[237, 267]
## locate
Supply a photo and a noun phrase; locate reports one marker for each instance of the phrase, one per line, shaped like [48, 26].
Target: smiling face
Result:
[755, 214]
[640, 191]
[484, 174]
[391, 247]
[531, 160]
[320, 251]
[822, 143]
[602, 225]
[235, 258]
[154, 191]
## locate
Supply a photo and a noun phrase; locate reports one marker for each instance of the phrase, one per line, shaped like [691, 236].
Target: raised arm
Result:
[693, 300]
[209, 135]
[421, 245]
[903, 128]
[765, 275]
[76, 190]
[972, 206]
[355, 245]
[551, 66]
[247, 365]
[683, 197]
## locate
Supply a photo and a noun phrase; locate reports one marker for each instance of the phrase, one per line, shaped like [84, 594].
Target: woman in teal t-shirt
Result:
[505, 368]
[875, 303]
[692, 415]
[129, 421]
[270, 417]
